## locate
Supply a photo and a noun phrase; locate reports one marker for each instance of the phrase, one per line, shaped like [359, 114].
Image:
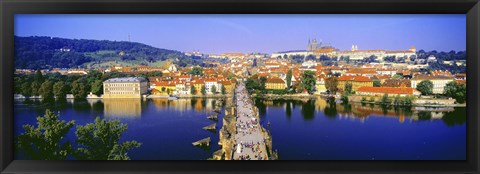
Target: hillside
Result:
[47, 52]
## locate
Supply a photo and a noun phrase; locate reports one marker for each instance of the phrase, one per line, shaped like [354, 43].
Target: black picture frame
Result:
[11, 7]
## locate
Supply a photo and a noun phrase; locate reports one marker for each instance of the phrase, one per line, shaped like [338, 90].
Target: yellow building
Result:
[127, 87]
[229, 86]
[320, 86]
[356, 81]
[439, 81]
[275, 83]
[163, 88]
[198, 86]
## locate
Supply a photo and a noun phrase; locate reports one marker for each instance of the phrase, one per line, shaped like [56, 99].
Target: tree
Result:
[425, 87]
[331, 83]
[289, 79]
[262, 83]
[25, 89]
[193, 90]
[59, 90]
[348, 88]
[377, 83]
[97, 87]
[385, 99]
[46, 141]
[308, 81]
[79, 89]
[93, 75]
[196, 71]
[213, 89]
[38, 77]
[224, 90]
[204, 90]
[168, 91]
[34, 88]
[100, 141]
[46, 90]
[457, 91]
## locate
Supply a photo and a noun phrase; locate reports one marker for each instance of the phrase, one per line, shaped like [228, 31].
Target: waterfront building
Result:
[197, 84]
[275, 83]
[163, 87]
[320, 85]
[229, 86]
[439, 81]
[356, 81]
[209, 83]
[126, 87]
[391, 91]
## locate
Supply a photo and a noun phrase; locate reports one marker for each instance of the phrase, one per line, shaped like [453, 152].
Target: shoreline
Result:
[314, 96]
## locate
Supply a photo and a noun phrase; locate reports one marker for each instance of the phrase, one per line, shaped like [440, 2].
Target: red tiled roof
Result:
[387, 90]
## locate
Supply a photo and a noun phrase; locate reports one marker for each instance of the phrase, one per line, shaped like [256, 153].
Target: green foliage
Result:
[193, 91]
[204, 90]
[385, 99]
[364, 100]
[377, 83]
[100, 141]
[196, 71]
[46, 90]
[457, 91]
[397, 76]
[224, 90]
[331, 83]
[97, 87]
[372, 99]
[79, 89]
[289, 79]
[425, 87]
[348, 88]
[43, 52]
[213, 89]
[34, 87]
[154, 73]
[60, 90]
[38, 77]
[25, 88]
[46, 142]
[308, 81]
[344, 98]
[93, 75]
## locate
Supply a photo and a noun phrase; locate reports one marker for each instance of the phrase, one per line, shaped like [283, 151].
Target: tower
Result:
[412, 49]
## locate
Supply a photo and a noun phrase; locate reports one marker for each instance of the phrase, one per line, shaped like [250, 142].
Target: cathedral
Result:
[313, 45]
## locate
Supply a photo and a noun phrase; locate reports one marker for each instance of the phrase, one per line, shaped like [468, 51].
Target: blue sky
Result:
[256, 33]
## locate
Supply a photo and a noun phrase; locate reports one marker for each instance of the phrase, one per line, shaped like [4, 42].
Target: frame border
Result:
[10, 7]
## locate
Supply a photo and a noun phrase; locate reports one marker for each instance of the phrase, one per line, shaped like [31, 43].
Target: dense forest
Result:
[38, 52]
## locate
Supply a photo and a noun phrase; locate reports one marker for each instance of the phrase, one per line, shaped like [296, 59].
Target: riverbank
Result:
[193, 96]
[358, 99]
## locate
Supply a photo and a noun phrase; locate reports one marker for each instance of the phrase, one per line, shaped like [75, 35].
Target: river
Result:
[301, 130]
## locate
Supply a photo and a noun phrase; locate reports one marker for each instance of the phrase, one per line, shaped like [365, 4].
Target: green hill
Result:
[39, 52]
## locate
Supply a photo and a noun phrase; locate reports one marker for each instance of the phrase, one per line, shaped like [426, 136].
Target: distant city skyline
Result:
[216, 34]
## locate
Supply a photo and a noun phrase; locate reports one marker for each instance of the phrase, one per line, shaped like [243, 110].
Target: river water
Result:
[301, 130]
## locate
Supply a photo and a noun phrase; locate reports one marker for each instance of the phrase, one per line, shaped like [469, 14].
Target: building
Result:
[320, 85]
[163, 87]
[356, 81]
[391, 91]
[275, 83]
[438, 81]
[127, 87]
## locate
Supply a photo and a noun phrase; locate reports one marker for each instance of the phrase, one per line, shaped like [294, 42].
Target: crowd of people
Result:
[250, 143]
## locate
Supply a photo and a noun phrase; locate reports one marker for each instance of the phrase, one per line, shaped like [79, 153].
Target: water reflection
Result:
[450, 115]
[122, 107]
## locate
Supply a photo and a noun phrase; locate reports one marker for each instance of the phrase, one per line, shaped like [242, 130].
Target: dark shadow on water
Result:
[308, 110]
[456, 117]
[204, 147]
